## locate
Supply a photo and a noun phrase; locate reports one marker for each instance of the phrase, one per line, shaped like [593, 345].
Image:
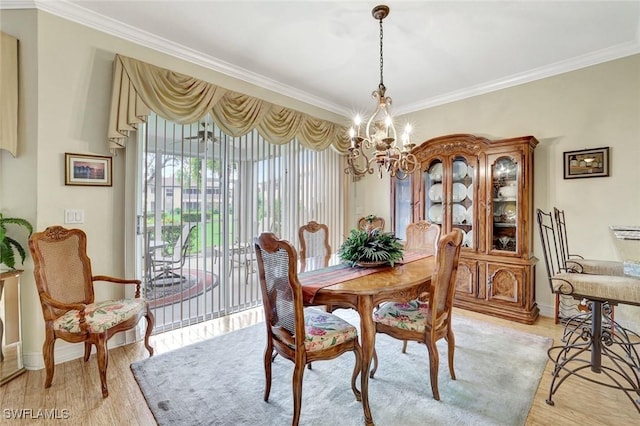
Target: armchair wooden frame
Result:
[65, 284]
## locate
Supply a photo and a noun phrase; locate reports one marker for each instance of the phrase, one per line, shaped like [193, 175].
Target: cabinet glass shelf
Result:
[504, 225]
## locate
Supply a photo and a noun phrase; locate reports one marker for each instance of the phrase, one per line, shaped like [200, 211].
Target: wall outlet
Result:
[73, 216]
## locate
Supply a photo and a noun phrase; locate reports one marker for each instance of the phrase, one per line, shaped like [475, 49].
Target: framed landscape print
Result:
[87, 170]
[586, 163]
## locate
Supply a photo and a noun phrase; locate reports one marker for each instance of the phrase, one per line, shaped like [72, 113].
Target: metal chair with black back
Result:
[164, 268]
[576, 261]
[612, 350]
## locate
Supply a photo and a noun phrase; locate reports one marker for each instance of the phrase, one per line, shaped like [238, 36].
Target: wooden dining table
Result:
[401, 283]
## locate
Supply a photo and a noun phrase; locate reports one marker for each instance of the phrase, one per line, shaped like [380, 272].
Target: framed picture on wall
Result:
[87, 170]
[586, 163]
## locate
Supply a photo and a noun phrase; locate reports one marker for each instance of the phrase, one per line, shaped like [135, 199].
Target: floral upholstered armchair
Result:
[65, 286]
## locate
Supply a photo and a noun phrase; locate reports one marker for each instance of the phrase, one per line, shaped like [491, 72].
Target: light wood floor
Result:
[76, 386]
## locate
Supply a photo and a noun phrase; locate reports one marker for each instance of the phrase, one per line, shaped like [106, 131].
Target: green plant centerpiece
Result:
[371, 248]
[8, 244]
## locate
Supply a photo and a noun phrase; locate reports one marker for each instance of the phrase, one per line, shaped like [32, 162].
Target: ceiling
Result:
[326, 53]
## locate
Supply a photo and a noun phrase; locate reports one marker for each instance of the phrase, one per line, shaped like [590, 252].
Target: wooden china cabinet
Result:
[484, 188]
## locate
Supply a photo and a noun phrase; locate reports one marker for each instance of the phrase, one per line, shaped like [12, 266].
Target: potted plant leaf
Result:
[8, 244]
[371, 248]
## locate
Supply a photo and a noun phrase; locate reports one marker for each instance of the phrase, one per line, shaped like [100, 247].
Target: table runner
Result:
[312, 281]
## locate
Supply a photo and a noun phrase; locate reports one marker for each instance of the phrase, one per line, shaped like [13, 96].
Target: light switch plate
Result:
[73, 216]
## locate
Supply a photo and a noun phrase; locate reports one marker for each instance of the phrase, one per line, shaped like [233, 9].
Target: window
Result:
[232, 189]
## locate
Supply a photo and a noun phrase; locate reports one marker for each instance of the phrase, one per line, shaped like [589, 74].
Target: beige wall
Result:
[65, 82]
[589, 108]
[65, 85]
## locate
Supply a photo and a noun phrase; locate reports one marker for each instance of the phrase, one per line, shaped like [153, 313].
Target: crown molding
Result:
[83, 16]
[80, 15]
[594, 58]
[18, 4]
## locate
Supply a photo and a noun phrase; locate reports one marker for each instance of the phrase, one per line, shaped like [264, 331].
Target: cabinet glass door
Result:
[434, 193]
[403, 206]
[462, 196]
[505, 204]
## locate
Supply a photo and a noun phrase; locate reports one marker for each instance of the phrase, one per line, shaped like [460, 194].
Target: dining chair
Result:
[314, 240]
[64, 280]
[422, 235]
[371, 222]
[301, 335]
[576, 261]
[242, 258]
[165, 267]
[427, 322]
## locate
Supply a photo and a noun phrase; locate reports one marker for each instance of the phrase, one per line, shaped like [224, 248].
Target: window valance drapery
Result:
[9, 93]
[139, 88]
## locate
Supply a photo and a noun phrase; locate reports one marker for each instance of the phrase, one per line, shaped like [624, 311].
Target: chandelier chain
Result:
[381, 55]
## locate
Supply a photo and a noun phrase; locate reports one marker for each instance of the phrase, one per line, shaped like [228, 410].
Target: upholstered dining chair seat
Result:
[323, 330]
[596, 267]
[407, 316]
[101, 316]
[601, 287]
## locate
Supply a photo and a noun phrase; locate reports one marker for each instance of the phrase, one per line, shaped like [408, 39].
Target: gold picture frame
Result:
[586, 163]
[87, 170]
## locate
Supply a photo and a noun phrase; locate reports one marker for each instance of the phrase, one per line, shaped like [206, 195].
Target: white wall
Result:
[65, 86]
[594, 107]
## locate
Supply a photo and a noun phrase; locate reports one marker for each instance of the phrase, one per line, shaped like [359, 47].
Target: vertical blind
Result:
[232, 189]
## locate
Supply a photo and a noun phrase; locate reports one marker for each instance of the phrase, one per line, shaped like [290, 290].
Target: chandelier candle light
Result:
[380, 133]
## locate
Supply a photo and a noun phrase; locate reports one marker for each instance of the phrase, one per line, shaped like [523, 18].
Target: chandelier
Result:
[380, 133]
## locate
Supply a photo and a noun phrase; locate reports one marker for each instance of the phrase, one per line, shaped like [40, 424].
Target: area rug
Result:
[220, 381]
[176, 290]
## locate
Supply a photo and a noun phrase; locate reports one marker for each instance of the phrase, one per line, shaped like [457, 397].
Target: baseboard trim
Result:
[65, 351]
